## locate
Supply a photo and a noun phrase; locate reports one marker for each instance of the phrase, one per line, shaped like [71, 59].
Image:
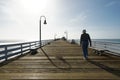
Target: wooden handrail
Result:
[11, 50]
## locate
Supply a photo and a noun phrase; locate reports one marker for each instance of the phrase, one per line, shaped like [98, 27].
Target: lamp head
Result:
[45, 22]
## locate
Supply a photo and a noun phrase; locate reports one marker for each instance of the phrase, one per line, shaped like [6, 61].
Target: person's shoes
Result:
[85, 58]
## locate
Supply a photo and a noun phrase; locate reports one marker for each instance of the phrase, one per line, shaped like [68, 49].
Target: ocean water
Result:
[107, 40]
[5, 42]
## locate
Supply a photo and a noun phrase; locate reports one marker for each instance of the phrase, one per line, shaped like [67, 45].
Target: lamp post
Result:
[55, 36]
[40, 28]
[66, 34]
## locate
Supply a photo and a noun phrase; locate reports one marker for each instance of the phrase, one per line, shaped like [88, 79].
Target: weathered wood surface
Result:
[67, 63]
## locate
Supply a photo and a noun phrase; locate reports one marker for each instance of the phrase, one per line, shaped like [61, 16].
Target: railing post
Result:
[105, 46]
[6, 52]
[38, 44]
[21, 49]
[94, 44]
[35, 44]
[30, 45]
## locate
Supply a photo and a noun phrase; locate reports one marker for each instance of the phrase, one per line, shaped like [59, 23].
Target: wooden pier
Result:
[65, 62]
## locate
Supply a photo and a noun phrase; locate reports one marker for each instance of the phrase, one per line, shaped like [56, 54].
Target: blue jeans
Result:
[85, 48]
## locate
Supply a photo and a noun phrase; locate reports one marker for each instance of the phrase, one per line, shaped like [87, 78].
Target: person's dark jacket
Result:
[85, 37]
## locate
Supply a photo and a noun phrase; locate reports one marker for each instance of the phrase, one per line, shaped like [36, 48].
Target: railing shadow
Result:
[106, 68]
[11, 60]
[60, 58]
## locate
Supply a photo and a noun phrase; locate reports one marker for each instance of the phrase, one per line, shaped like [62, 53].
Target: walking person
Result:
[85, 40]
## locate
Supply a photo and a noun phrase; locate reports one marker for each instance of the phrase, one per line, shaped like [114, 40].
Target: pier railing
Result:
[113, 48]
[9, 51]
[109, 47]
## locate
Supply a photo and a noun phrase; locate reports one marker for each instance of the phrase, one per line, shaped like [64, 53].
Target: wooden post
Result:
[21, 49]
[6, 52]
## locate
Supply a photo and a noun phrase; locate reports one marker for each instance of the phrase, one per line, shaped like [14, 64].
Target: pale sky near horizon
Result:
[19, 19]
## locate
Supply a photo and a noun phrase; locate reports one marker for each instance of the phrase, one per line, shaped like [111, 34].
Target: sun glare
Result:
[34, 6]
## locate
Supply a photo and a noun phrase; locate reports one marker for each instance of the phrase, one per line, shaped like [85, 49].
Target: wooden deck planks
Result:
[92, 76]
[39, 67]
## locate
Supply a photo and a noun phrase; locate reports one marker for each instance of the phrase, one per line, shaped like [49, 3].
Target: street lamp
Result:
[55, 36]
[66, 34]
[40, 28]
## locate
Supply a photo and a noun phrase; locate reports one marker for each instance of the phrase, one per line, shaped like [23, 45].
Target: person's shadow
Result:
[60, 58]
[114, 71]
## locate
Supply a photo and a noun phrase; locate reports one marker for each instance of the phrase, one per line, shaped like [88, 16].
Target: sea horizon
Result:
[99, 39]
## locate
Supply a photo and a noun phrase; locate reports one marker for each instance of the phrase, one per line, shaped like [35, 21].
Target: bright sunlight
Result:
[34, 6]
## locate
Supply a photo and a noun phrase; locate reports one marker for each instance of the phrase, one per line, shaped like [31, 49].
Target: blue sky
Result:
[19, 19]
